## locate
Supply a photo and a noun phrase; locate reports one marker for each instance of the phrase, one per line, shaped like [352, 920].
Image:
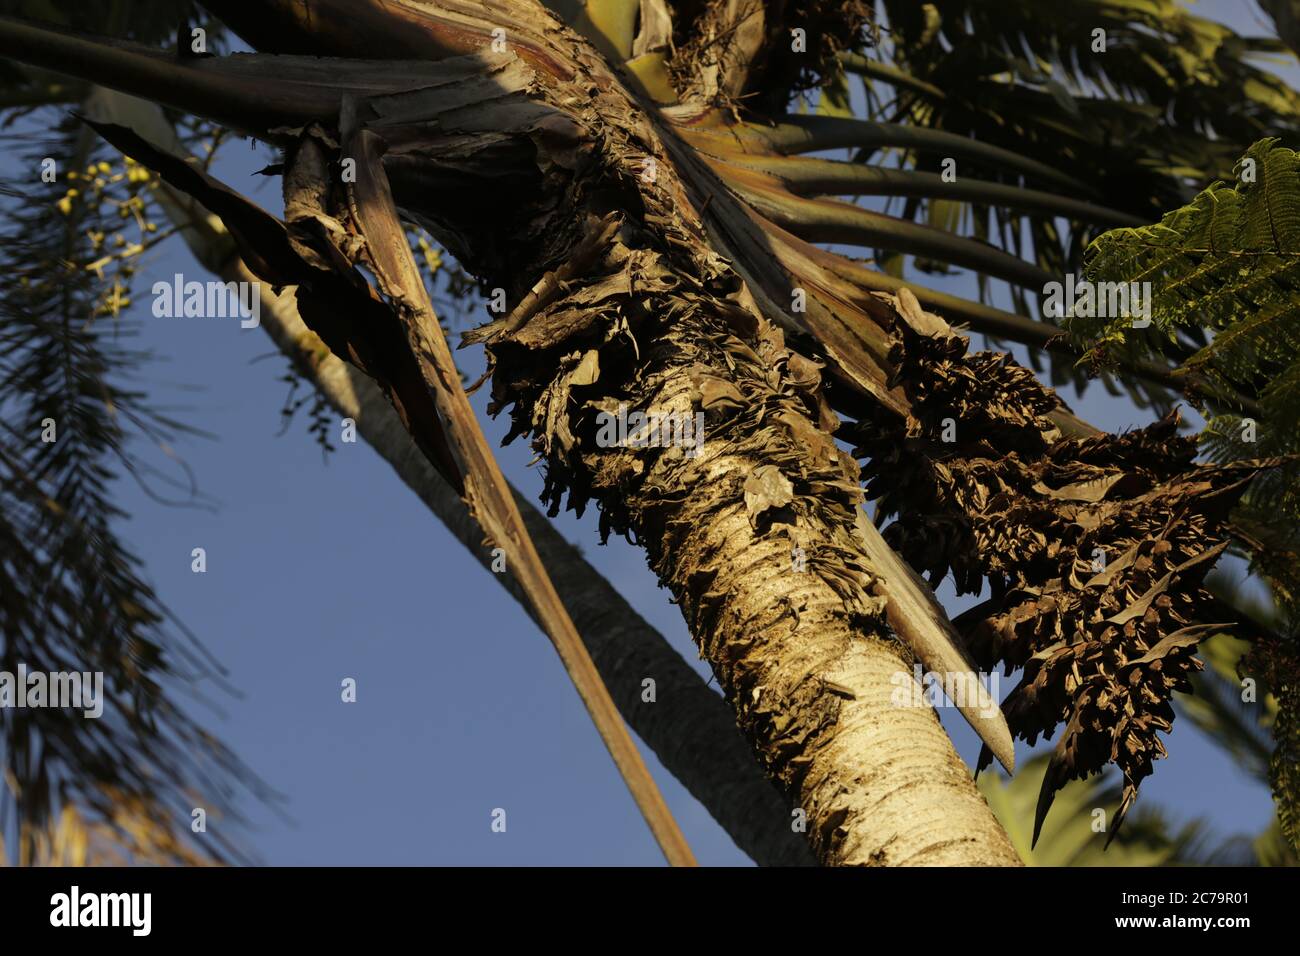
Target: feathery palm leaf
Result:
[72, 595]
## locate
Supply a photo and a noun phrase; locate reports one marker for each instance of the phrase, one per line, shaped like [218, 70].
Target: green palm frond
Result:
[1141, 101]
[1227, 265]
[1251, 728]
[72, 595]
[1238, 722]
[1075, 835]
[1141, 80]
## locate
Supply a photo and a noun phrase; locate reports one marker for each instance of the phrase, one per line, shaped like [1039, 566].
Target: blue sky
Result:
[319, 571]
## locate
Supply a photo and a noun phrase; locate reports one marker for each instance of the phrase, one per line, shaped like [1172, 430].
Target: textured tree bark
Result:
[805, 657]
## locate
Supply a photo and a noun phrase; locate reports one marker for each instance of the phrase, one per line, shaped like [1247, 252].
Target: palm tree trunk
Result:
[804, 656]
[540, 186]
[657, 321]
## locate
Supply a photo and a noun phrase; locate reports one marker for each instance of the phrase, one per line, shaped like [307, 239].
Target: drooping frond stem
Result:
[205, 87]
[806, 134]
[486, 491]
[888, 73]
[828, 220]
[812, 175]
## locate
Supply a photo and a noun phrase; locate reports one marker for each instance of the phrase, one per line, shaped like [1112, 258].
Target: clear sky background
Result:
[318, 571]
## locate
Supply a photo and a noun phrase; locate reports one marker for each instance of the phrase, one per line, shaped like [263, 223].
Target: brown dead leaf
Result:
[766, 488]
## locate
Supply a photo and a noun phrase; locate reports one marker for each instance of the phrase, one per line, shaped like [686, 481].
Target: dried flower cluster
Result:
[1095, 549]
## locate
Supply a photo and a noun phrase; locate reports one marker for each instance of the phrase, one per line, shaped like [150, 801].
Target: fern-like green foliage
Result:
[1284, 774]
[1228, 266]
[1228, 263]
